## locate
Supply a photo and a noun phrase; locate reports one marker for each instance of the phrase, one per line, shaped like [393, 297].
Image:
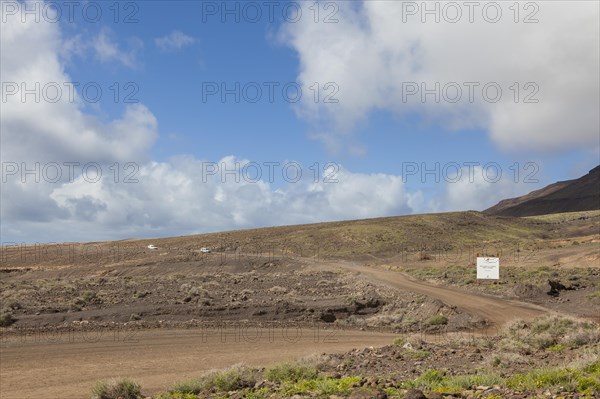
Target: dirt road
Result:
[494, 310]
[68, 367]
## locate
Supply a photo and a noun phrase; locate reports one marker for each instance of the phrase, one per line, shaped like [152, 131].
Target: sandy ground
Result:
[158, 358]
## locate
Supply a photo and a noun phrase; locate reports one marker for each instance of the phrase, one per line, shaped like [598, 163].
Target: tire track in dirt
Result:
[496, 311]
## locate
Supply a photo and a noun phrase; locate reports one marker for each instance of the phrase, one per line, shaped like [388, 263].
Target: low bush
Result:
[6, 319]
[290, 372]
[437, 320]
[116, 389]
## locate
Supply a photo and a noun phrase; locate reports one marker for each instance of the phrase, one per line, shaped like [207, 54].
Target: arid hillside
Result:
[575, 195]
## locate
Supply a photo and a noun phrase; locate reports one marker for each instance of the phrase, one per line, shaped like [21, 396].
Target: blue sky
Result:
[172, 50]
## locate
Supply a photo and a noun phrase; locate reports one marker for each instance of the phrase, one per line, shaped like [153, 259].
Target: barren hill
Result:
[582, 194]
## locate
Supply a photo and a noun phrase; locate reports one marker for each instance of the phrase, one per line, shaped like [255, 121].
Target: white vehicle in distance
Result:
[205, 250]
[151, 246]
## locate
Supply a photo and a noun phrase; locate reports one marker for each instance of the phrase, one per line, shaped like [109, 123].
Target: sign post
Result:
[488, 268]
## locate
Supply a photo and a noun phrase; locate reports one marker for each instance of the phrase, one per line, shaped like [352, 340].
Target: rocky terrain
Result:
[551, 357]
[411, 277]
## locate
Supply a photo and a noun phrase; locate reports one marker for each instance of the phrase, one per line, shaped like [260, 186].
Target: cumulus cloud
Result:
[175, 40]
[50, 194]
[135, 196]
[174, 197]
[42, 129]
[384, 57]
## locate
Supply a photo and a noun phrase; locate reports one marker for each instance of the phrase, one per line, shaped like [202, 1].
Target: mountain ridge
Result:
[581, 194]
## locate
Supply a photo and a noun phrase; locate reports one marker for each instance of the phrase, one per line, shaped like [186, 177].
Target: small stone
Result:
[414, 394]
[369, 394]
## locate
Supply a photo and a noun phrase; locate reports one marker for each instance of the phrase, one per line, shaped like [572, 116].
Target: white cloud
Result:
[374, 56]
[46, 131]
[108, 49]
[477, 188]
[169, 198]
[172, 198]
[175, 40]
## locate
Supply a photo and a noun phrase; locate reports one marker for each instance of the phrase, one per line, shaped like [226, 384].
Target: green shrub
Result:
[588, 384]
[177, 395]
[542, 341]
[235, 378]
[437, 320]
[545, 378]
[593, 368]
[432, 375]
[459, 382]
[430, 379]
[116, 389]
[88, 296]
[290, 372]
[556, 348]
[191, 387]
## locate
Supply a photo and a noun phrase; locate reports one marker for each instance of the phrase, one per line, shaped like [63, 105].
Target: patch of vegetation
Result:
[178, 395]
[290, 372]
[595, 294]
[428, 380]
[191, 387]
[14, 305]
[321, 387]
[572, 379]
[584, 380]
[288, 377]
[6, 319]
[298, 379]
[551, 333]
[116, 389]
[556, 348]
[437, 320]
[88, 296]
[235, 378]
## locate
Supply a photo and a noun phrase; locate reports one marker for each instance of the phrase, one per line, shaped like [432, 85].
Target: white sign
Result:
[488, 268]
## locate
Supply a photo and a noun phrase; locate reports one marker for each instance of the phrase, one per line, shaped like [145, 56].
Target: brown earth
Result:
[73, 307]
[156, 358]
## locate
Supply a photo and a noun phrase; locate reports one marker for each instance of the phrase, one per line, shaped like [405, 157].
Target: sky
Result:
[124, 119]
